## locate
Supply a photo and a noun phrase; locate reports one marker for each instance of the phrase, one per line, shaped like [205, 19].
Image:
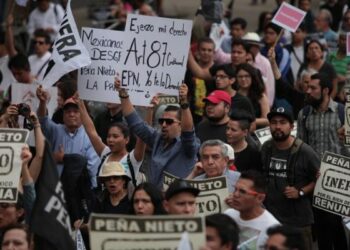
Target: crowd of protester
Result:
[251, 81]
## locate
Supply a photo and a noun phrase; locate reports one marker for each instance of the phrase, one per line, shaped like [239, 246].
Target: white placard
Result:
[26, 93]
[96, 81]
[120, 232]
[155, 56]
[213, 192]
[11, 143]
[332, 190]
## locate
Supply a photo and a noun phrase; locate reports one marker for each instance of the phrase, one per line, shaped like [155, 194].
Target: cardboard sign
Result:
[211, 199]
[121, 232]
[11, 143]
[332, 190]
[26, 93]
[288, 17]
[6, 77]
[264, 134]
[155, 56]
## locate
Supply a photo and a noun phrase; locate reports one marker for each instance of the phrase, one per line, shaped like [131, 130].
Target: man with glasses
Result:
[246, 201]
[290, 167]
[175, 146]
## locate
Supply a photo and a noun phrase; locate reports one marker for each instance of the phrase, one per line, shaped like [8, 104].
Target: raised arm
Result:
[43, 98]
[197, 70]
[127, 107]
[186, 115]
[89, 126]
[36, 164]
[9, 40]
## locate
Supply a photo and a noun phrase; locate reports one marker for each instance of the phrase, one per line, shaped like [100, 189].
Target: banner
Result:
[68, 52]
[50, 220]
[11, 143]
[126, 232]
[211, 199]
[347, 118]
[96, 81]
[332, 190]
[288, 17]
[155, 56]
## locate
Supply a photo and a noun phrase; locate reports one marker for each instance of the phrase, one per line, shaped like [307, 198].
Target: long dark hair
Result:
[154, 193]
[257, 87]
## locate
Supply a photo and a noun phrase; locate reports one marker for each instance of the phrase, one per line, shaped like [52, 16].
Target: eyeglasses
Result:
[245, 192]
[219, 77]
[39, 42]
[244, 76]
[168, 121]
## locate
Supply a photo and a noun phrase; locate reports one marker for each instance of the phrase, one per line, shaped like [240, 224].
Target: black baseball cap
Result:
[281, 111]
[179, 186]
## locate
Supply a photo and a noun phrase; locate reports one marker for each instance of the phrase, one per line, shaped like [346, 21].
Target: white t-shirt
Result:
[252, 233]
[124, 161]
[39, 64]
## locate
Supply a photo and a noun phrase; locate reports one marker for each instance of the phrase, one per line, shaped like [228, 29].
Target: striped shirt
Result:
[319, 129]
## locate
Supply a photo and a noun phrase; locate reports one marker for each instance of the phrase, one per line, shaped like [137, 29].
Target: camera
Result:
[23, 109]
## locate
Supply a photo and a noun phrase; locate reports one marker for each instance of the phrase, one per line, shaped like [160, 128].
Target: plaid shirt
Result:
[319, 130]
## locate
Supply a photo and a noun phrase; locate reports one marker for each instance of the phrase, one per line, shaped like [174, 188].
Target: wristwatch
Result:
[301, 193]
[184, 105]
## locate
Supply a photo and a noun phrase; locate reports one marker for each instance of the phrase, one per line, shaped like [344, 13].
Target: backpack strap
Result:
[306, 112]
[292, 160]
[102, 161]
[132, 171]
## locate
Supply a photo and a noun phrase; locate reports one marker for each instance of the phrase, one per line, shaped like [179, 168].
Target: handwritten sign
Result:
[96, 81]
[155, 56]
[288, 17]
[211, 199]
[11, 143]
[332, 190]
[120, 232]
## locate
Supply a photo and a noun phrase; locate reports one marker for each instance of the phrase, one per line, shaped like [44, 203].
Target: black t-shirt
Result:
[281, 172]
[105, 206]
[248, 158]
[206, 130]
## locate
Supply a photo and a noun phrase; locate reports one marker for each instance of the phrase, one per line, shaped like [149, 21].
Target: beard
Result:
[216, 119]
[314, 102]
[279, 136]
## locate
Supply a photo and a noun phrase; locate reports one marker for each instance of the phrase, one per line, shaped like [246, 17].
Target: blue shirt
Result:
[178, 158]
[73, 143]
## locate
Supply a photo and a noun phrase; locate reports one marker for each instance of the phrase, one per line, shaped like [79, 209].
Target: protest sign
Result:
[68, 52]
[168, 99]
[96, 81]
[288, 17]
[26, 93]
[11, 143]
[155, 56]
[121, 232]
[211, 199]
[264, 134]
[332, 190]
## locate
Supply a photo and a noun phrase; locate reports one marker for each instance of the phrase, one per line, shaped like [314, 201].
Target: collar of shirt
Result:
[75, 132]
[332, 106]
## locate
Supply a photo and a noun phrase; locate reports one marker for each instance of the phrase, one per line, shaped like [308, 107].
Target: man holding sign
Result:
[174, 149]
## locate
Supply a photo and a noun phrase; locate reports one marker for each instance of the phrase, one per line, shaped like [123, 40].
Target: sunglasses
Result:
[168, 121]
[39, 42]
